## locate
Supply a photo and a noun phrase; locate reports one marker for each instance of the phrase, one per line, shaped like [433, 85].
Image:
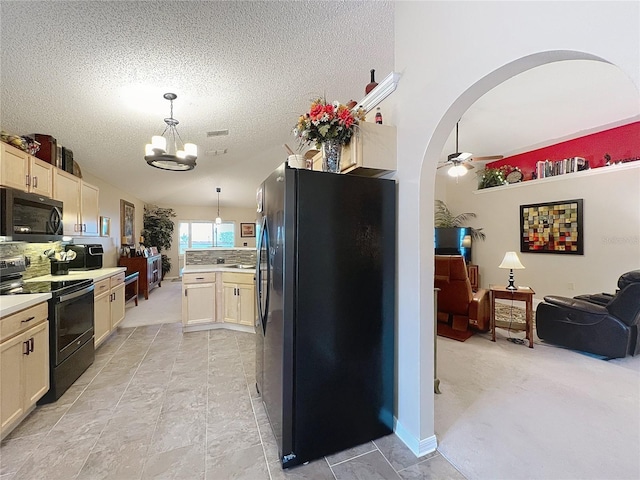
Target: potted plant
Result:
[493, 177]
[445, 219]
[158, 231]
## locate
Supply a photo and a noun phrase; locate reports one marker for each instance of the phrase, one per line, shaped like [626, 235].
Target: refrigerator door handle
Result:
[263, 248]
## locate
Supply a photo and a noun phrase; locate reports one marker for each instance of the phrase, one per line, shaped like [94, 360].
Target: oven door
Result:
[71, 322]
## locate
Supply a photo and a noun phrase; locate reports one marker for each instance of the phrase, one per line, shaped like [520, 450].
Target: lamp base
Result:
[511, 285]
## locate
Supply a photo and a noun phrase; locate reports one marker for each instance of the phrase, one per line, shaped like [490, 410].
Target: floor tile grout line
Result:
[118, 402]
[355, 456]
[253, 409]
[105, 425]
[155, 427]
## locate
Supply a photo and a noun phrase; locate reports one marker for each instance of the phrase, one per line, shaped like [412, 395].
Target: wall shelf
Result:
[566, 176]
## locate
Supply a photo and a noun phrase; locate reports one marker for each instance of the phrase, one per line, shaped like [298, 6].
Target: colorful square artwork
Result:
[554, 227]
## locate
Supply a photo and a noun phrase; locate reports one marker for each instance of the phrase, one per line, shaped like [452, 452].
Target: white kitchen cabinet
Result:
[239, 298]
[108, 306]
[372, 151]
[80, 204]
[24, 364]
[198, 299]
[25, 172]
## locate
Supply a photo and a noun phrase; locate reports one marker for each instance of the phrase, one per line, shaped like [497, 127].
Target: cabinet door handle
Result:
[84, 227]
[27, 320]
[35, 182]
[26, 348]
[31, 342]
[199, 278]
[185, 292]
[27, 180]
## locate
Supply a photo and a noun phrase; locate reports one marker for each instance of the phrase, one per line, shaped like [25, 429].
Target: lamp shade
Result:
[511, 261]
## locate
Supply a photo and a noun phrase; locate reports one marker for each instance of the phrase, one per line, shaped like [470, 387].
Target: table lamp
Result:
[511, 261]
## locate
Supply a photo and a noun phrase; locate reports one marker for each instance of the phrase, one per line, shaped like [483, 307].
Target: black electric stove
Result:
[70, 316]
[56, 288]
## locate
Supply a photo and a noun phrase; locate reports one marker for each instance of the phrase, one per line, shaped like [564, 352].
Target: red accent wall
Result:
[621, 143]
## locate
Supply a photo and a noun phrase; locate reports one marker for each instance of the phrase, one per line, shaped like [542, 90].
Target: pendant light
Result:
[163, 152]
[218, 218]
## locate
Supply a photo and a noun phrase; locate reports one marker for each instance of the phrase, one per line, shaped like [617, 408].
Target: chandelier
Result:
[163, 152]
[218, 218]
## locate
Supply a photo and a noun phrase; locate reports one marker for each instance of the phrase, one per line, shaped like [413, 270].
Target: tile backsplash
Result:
[231, 256]
[40, 264]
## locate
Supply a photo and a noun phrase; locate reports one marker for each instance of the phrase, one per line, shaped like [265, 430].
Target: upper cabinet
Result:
[80, 210]
[25, 172]
[371, 152]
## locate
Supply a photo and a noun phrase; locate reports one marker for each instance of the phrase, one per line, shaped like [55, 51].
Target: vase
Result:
[331, 151]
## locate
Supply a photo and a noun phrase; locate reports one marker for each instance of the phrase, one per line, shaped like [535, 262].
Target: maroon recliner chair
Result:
[460, 309]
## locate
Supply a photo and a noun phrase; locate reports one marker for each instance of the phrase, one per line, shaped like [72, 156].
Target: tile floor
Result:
[158, 404]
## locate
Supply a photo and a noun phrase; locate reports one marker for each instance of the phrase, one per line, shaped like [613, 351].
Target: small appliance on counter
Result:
[88, 256]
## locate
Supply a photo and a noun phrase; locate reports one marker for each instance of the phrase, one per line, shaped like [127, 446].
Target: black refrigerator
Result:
[326, 310]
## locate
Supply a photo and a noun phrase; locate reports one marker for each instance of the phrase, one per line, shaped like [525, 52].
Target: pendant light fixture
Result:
[163, 152]
[218, 218]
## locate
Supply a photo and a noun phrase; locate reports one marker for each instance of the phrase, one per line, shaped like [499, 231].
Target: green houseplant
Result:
[443, 218]
[158, 231]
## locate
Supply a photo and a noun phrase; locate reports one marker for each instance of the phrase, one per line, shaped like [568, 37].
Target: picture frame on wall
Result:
[247, 229]
[552, 227]
[127, 221]
[105, 226]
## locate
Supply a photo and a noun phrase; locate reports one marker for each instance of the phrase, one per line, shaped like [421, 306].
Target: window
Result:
[205, 234]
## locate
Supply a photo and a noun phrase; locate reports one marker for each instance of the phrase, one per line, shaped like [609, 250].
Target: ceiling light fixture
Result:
[218, 218]
[158, 155]
[457, 170]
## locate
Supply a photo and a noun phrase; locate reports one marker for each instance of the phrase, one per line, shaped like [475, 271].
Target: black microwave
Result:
[29, 217]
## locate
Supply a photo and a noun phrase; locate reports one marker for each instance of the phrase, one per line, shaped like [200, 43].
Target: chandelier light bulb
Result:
[159, 143]
[191, 149]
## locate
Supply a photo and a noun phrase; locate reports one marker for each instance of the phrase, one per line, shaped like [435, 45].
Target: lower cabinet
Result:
[218, 299]
[24, 364]
[108, 306]
[198, 298]
[239, 298]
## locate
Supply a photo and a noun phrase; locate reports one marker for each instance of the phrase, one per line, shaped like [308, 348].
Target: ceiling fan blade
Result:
[446, 164]
[468, 166]
[489, 157]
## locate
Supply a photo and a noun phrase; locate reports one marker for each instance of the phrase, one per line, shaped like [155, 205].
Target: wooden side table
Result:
[522, 295]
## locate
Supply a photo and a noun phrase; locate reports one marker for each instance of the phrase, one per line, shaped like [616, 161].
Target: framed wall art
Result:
[553, 227]
[105, 226]
[127, 221]
[247, 229]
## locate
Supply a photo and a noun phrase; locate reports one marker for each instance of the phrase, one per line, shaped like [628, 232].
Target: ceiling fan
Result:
[459, 162]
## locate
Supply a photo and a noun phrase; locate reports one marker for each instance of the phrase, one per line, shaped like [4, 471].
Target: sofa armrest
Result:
[576, 304]
[480, 310]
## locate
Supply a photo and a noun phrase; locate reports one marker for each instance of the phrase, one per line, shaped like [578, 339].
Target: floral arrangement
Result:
[327, 121]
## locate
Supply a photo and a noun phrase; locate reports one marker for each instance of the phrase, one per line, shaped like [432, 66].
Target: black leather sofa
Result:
[594, 323]
[604, 298]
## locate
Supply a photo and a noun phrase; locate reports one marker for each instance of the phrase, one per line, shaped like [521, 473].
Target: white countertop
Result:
[216, 268]
[14, 303]
[95, 275]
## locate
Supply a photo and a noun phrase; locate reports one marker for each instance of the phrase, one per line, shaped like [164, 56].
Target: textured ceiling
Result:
[92, 74]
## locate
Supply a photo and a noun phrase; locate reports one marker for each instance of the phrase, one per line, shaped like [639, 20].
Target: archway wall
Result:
[449, 54]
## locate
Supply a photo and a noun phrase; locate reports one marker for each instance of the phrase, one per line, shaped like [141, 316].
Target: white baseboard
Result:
[419, 447]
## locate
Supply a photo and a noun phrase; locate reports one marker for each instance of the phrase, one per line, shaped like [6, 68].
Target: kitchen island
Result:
[218, 296]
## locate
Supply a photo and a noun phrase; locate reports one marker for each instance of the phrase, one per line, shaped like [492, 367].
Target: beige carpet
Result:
[163, 306]
[510, 412]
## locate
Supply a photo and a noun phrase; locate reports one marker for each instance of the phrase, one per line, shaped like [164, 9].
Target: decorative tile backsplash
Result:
[211, 257]
[40, 264]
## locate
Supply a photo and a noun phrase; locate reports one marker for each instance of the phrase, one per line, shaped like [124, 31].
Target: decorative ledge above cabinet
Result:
[371, 152]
